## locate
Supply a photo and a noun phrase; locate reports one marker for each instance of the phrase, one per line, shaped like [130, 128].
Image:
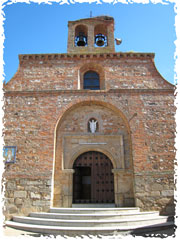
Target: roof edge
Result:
[101, 18]
[52, 56]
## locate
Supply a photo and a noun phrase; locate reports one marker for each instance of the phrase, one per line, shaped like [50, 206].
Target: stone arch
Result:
[100, 28]
[76, 104]
[100, 33]
[88, 101]
[81, 35]
[96, 149]
[63, 175]
[81, 27]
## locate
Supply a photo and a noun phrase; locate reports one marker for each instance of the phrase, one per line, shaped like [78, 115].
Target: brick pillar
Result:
[71, 37]
[110, 31]
[117, 194]
[90, 38]
[123, 188]
[67, 189]
[62, 192]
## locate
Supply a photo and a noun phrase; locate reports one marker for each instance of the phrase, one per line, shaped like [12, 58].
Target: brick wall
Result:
[44, 91]
[62, 71]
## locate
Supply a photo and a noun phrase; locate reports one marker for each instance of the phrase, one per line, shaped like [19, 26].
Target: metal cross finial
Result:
[90, 14]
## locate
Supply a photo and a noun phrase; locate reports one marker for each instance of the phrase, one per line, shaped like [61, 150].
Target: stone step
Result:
[88, 221]
[93, 210]
[92, 223]
[57, 230]
[99, 216]
[93, 205]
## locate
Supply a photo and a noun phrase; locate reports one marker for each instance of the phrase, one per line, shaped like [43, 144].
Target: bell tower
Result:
[91, 35]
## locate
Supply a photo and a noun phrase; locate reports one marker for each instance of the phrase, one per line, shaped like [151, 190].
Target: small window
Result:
[91, 80]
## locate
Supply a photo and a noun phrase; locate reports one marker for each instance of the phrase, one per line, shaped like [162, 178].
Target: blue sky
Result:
[42, 28]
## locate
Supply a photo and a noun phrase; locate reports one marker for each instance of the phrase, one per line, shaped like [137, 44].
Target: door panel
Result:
[82, 184]
[93, 180]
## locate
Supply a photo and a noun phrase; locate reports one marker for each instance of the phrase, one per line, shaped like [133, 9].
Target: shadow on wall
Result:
[169, 209]
[160, 230]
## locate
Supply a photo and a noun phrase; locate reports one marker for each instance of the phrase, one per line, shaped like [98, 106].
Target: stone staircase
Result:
[91, 220]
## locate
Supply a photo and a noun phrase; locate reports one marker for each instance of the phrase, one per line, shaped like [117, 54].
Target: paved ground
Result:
[10, 232]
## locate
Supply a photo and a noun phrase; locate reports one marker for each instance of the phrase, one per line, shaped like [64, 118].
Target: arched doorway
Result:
[93, 180]
[73, 137]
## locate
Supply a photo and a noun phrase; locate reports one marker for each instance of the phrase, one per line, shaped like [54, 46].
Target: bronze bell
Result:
[100, 40]
[81, 40]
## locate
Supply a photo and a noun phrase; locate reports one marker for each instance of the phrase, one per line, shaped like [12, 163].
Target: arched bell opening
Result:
[100, 36]
[93, 180]
[81, 39]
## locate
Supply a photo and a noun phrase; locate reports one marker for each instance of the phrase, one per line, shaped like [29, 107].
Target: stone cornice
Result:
[116, 55]
[91, 92]
[153, 173]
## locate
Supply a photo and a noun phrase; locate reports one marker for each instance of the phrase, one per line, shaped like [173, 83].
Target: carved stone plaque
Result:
[110, 145]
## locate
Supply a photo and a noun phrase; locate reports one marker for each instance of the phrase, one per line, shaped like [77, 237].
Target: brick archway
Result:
[69, 145]
[89, 101]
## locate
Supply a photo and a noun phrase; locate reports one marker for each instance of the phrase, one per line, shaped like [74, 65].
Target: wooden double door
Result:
[93, 180]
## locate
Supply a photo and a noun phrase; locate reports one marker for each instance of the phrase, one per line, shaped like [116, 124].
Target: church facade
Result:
[88, 126]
